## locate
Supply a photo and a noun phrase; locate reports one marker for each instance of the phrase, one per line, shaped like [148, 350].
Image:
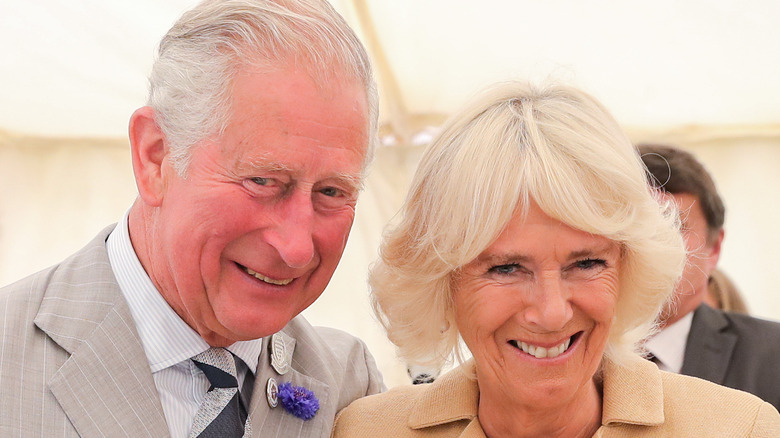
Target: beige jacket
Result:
[72, 363]
[639, 401]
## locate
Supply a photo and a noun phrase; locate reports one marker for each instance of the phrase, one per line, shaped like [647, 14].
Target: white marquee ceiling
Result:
[78, 68]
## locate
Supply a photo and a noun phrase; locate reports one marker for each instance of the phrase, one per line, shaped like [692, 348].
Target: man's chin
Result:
[257, 328]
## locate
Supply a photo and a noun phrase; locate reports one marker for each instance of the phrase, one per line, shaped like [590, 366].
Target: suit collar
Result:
[81, 292]
[106, 384]
[710, 345]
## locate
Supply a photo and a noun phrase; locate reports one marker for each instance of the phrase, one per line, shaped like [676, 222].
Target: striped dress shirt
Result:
[168, 341]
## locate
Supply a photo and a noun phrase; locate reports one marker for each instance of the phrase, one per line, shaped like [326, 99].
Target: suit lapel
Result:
[105, 387]
[277, 422]
[709, 347]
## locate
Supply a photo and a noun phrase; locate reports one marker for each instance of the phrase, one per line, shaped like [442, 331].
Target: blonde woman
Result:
[531, 234]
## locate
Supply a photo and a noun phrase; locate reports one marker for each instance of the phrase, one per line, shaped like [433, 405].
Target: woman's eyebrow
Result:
[600, 250]
[502, 258]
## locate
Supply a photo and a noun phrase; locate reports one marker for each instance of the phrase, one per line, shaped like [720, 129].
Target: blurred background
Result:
[701, 75]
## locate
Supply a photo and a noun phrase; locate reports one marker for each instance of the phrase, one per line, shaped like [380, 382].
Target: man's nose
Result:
[549, 307]
[291, 235]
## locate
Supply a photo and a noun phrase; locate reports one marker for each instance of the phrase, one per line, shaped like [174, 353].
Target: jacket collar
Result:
[633, 393]
[105, 384]
[621, 403]
[460, 390]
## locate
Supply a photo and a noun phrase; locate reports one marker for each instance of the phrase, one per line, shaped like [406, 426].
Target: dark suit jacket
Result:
[735, 350]
[72, 363]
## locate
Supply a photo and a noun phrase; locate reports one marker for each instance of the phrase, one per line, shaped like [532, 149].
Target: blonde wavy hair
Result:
[515, 142]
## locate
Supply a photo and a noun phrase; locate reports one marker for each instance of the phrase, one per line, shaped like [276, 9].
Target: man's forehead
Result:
[687, 204]
[679, 197]
[260, 160]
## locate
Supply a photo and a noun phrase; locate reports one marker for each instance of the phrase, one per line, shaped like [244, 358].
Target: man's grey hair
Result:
[191, 80]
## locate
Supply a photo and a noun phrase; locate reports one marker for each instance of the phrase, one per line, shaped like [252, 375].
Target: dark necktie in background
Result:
[651, 357]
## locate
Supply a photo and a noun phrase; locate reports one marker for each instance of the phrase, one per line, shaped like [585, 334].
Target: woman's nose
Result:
[549, 307]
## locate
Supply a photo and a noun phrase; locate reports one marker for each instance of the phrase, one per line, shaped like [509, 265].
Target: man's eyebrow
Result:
[355, 181]
[259, 165]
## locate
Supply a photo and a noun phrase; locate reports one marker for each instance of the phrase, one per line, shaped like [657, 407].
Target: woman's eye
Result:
[590, 263]
[504, 269]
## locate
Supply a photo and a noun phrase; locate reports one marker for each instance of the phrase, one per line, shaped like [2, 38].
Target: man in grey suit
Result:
[183, 318]
[727, 348]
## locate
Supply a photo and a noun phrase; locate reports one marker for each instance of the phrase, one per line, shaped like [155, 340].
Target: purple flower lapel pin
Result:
[298, 401]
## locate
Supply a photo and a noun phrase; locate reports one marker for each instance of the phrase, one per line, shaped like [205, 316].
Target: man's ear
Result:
[714, 254]
[147, 144]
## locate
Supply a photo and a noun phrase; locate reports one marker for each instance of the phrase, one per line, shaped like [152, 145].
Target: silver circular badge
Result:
[271, 393]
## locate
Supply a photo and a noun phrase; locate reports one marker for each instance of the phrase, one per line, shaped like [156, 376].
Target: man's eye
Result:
[264, 186]
[333, 198]
[331, 192]
[590, 263]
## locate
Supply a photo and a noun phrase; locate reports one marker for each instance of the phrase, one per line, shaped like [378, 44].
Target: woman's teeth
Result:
[541, 352]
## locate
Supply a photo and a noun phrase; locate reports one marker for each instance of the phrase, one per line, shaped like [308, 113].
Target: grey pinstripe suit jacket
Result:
[72, 364]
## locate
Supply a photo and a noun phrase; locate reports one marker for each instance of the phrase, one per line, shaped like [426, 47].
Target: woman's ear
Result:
[147, 143]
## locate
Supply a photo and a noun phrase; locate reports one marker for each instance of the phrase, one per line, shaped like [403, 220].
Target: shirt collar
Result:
[166, 338]
[668, 345]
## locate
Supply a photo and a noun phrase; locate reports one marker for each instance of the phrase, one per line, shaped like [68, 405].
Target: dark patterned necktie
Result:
[222, 413]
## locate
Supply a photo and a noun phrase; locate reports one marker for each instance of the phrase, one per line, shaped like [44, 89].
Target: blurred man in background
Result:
[730, 349]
